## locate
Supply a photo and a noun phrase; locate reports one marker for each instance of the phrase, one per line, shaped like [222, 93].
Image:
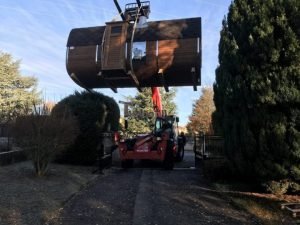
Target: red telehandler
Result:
[160, 145]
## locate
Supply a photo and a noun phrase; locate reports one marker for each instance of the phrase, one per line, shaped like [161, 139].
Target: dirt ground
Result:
[142, 195]
[28, 199]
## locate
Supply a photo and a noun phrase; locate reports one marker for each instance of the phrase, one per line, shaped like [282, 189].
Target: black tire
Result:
[168, 163]
[127, 163]
[180, 154]
[124, 164]
[130, 163]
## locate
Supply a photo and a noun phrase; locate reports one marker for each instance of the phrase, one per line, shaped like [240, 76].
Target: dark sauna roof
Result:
[156, 30]
[169, 29]
[86, 36]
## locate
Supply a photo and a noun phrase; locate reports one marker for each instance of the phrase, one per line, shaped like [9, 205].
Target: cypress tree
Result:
[257, 88]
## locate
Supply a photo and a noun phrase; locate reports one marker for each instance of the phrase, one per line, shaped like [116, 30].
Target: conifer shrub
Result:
[95, 113]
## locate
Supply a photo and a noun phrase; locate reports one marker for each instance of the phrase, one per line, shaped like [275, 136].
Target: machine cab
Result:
[166, 124]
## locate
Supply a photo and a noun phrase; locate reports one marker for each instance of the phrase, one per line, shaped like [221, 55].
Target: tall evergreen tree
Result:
[142, 114]
[257, 88]
[17, 93]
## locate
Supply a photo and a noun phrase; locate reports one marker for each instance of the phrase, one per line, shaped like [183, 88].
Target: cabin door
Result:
[114, 46]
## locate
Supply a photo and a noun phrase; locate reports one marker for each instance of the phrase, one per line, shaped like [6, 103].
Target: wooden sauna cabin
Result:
[163, 54]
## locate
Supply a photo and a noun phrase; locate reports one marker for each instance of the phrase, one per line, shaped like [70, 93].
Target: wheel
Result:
[124, 164]
[128, 163]
[180, 154]
[169, 160]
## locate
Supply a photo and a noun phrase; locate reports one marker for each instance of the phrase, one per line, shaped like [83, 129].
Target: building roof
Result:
[86, 36]
[169, 29]
[156, 30]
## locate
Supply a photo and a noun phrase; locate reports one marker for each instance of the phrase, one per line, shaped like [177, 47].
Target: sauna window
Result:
[139, 51]
[116, 30]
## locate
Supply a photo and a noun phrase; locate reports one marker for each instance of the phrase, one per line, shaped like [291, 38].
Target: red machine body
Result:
[160, 145]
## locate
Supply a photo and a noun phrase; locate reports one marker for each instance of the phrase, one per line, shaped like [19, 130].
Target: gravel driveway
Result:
[142, 196]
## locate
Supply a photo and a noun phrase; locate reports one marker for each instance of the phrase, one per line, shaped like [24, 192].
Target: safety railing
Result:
[10, 157]
[106, 148]
[209, 146]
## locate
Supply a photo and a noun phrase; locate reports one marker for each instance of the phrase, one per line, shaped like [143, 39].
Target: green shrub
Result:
[113, 115]
[277, 187]
[217, 169]
[282, 187]
[294, 188]
[95, 113]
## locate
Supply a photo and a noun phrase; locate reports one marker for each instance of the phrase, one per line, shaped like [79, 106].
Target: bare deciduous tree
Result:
[201, 119]
[45, 135]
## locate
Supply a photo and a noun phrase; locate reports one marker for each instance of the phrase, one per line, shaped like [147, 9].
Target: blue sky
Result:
[36, 31]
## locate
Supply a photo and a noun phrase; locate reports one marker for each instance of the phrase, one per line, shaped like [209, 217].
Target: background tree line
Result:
[17, 93]
[200, 121]
[67, 132]
[142, 102]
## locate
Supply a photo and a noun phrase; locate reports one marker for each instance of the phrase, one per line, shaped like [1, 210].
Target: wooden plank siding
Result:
[170, 45]
[166, 49]
[86, 36]
[83, 58]
[186, 52]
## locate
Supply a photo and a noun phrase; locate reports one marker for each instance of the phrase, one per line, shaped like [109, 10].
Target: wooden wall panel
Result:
[151, 58]
[174, 53]
[166, 50]
[83, 58]
[186, 53]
